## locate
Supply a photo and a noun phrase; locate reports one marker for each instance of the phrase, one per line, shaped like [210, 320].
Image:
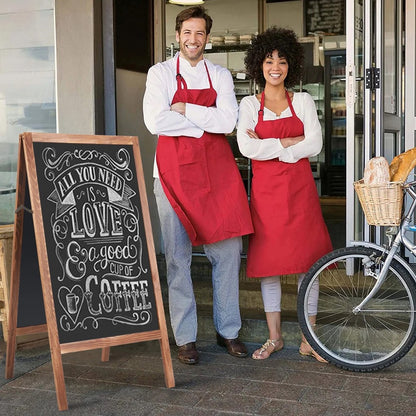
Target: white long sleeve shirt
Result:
[270, 148]
[161, 86]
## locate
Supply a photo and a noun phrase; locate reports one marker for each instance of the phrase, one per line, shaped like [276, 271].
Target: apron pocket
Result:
[193, 167]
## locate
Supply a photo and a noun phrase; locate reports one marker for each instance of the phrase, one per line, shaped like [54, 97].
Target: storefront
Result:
[361, 73]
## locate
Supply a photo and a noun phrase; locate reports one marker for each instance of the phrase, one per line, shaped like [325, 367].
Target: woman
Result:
[279, 130]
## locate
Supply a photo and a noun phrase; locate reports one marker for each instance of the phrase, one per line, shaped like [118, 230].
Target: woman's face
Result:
[275, 69]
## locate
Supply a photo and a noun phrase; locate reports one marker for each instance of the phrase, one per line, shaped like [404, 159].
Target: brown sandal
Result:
[309, 351]
[267, 349]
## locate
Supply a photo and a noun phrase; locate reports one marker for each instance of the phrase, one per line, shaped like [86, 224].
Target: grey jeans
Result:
[225, 257]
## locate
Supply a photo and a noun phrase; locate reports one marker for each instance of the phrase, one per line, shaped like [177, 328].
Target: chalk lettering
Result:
[65, 184]
[102, 214]
[108, 178]
[86, 173]
[119, 295]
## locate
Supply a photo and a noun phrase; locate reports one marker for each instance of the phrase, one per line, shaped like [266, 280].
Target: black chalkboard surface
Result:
[95, 241]
[94, 245]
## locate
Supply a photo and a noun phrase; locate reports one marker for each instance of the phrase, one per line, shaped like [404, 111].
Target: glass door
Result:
[373, 96]
[335, 112]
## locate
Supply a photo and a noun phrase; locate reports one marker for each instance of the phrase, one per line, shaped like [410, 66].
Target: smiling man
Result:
[190, 104]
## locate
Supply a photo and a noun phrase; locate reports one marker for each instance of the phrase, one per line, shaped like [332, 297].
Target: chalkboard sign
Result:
[94, 245]
[326, 16]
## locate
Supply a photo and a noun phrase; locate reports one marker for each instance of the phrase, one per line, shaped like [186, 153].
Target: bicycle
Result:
[367, 300]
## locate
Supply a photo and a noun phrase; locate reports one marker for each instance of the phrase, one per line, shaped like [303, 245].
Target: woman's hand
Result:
[252, 134]
[290, 141]
[179, 108]
[286, 142]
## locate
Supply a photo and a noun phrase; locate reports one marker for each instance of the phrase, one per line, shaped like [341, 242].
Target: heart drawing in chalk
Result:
[71, 301]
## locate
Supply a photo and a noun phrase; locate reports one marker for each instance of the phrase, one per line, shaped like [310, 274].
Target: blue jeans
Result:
[225, 257]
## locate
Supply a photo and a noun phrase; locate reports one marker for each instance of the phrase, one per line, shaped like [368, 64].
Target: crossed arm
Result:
[185, 119]
[287, 149]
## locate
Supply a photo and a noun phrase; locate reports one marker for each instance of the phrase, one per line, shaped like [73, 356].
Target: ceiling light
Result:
[186, 2]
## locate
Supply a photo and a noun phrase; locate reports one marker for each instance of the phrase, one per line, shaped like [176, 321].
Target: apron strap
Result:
[289, 101]
[290, 104]
[261, 111]
[181, 81]
[209, 78]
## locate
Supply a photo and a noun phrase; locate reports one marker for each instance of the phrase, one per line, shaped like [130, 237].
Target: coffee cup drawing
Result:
[72, 302]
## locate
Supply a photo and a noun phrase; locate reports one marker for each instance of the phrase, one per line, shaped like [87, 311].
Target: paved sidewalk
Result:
[132, 383]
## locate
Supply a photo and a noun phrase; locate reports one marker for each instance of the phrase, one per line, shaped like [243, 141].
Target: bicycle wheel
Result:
[372, 339]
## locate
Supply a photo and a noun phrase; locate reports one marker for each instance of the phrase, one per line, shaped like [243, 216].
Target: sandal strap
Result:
[268, 348]
[267, 344]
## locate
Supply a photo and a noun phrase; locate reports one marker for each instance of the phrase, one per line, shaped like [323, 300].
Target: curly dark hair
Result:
[286, 43]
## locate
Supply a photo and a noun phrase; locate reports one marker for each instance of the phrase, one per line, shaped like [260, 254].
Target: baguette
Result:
[376, 171]
[402, 165]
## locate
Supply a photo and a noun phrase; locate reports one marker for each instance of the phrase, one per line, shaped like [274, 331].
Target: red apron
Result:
[201, 179]
[289, 231]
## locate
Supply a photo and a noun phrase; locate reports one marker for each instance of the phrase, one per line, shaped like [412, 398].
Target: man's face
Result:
[192, 40]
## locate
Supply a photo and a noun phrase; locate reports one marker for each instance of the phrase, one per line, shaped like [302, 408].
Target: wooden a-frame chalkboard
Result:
[94, 244]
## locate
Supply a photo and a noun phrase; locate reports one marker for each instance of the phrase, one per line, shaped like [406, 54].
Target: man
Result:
[190, 103]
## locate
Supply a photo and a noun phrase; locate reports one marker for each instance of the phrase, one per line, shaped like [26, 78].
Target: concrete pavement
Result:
[132, 383]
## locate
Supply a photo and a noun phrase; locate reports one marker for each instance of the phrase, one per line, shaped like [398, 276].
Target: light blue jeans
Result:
[225, 257]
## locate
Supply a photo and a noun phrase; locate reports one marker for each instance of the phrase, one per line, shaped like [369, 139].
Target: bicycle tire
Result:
[372, 339]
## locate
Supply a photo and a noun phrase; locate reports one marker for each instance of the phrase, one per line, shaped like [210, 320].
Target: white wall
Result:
[287, 14]
[75, 66]
[241, 16]
[230, 16]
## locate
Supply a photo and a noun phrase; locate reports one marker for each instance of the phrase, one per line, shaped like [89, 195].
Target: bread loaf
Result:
[402, 165]
[376, 171]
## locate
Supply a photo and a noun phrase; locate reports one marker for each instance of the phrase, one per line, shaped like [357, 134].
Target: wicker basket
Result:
[382, 204]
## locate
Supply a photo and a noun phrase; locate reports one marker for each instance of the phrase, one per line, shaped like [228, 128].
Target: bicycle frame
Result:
[394, 247]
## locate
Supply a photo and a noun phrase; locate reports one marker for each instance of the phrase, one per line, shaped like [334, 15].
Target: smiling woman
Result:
[279, 130]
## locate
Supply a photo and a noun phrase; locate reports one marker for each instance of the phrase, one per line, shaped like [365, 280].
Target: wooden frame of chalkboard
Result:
[326, 16]
[95, 249]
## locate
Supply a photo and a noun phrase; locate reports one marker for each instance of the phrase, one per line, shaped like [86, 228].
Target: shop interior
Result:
[320, 26]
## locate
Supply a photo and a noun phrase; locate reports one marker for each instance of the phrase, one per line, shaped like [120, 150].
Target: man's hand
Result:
[179, 108]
